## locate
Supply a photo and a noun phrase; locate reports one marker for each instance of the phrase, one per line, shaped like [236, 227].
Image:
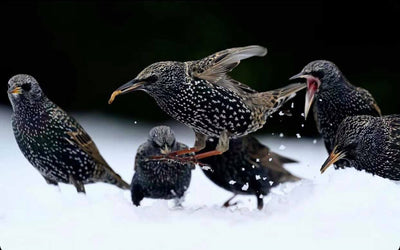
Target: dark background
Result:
[81, 52]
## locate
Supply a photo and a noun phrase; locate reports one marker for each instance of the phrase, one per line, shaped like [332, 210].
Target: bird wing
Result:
[394, 143]
[140, 155]
[82, 140]
[372, 103]
[215, 67]
[268, 159]
[272, 100]
[76, 135]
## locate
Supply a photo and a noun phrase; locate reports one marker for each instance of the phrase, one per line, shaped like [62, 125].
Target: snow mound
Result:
[344, 209]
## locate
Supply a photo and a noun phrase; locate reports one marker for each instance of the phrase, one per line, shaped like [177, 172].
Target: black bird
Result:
[369, 143]
[248, 167]
[202, 96]
[336, 98]
[160, 178]
[52, 141]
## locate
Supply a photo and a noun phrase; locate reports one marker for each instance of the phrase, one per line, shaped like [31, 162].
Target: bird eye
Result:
[318, 74]
[26, 86]
[151, 79]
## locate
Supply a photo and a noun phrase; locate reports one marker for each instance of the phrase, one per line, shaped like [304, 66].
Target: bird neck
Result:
[26, 108]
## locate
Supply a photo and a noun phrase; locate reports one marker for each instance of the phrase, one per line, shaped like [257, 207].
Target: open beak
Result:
[126, 88]
[16, 91]
[313, 84]
[333, 157]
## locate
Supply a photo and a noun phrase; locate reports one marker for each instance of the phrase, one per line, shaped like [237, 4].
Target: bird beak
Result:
[166, 150]
[126, 88]
[333, 157]
[313, 84]
[15, 91]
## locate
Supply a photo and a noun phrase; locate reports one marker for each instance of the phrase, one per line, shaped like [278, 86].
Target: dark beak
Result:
[126, 88]
[299, 75]
[333, 157]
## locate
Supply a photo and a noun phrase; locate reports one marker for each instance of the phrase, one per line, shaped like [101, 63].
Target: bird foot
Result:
[228, 204]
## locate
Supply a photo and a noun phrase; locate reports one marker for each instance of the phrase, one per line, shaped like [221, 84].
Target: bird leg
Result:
[222, 146]
[228, 204]
[80, 188]
[260, 201]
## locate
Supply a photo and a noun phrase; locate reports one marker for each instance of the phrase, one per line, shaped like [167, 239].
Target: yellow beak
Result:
[16, 90]
[333, 157]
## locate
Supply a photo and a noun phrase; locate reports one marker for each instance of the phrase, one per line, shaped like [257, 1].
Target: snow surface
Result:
[343, 209]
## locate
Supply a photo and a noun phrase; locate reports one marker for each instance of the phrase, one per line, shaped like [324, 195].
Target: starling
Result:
[160, 178]
[336, 99]
[202, 96]
[248, 167]
[369, 143]
[52, 141]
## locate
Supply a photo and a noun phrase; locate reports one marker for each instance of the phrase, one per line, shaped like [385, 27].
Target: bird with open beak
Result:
[335, 99]
[202, 96]
[368, 143]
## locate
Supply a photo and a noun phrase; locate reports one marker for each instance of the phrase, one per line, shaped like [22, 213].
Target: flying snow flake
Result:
[281, 113]
[320, 99]
[271, 183]
[292, 105]
[243, 169]
[258, 177]
[302, 114]
[245, 186]
[135, 122]
[261, 196]
[298, 136]
[302, 125]
[270, 159]
[264, 178]
[281, 135]
[314, 141]
[257, 160]
[205, 167]
[231, 182]
[282, 147]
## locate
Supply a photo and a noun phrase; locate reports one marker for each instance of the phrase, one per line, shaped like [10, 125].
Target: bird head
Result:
[156, 77]
[350, 140]
[23, 88]
[162, 137]
[319, 74]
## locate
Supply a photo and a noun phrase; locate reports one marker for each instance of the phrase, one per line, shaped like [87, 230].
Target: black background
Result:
[81, 52]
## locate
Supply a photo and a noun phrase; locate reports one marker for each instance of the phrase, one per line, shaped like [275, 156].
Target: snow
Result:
[344, 209]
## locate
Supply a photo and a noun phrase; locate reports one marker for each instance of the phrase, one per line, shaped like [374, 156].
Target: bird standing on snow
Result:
[202, 96]
[369, 143]
[248, 167]
[160, 178]
[336, 99]
[52, 141]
